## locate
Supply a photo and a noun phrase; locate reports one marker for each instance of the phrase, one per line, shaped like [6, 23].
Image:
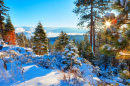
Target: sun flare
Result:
[108, 23]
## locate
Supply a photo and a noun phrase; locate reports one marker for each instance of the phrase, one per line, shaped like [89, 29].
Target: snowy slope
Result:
[36, 76]
[24, 68]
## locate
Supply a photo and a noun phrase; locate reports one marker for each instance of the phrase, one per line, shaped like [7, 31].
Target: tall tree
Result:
[90, 11]
[61, 42]
[120, 36]
[9, 32]
[3, 10]
[40, 40]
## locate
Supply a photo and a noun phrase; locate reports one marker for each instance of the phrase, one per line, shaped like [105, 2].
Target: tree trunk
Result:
[91, 22]
[93, 38]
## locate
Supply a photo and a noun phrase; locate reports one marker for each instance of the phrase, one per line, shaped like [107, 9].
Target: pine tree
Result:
[20, 39]
[90, 12]
[29, 43]
[87, 44]
[40, 40]
[3, 10]
[61, 42]
[74, 40]
[87, 52]
[81, 48]
[9, 32]
[70, 55]
[117, 34]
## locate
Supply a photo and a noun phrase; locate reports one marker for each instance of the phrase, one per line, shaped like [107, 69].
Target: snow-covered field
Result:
[24, 68]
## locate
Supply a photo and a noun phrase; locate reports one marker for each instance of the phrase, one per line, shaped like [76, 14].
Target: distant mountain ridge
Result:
[77, 38]
[51, 31]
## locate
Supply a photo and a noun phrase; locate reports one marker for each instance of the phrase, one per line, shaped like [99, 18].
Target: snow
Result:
[35, 76]
[47, 80]
[120, 40]
[122, 2]
[111, 81]
[118, 79]
[109, 15]
[114, 34]
[107, 47]
[27, 70]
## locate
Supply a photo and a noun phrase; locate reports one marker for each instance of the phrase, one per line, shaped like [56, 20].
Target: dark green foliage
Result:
[8, 26]
[84, 49]
[3, 10]
[121, 45]
[40, 46]
[127, 34]
[104, 62]
[81, 48]
[87, 44]
[121, 8]
[61, 42]
[83, 8]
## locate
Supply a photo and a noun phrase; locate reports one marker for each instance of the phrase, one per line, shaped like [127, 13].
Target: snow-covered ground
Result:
[37, 76]
[24, 68]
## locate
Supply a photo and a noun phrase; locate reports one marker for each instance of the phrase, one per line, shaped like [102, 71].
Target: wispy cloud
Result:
[19, 30]
[51, 34]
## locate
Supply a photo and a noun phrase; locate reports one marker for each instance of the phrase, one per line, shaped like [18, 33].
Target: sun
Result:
[107, 23]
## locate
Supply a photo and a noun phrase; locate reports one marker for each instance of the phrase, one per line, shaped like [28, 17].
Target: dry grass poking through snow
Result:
[73, 76]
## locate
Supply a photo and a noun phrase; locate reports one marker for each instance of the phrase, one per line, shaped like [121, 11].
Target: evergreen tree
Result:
[30, 43]
[87, 44]
[70, 55]
[8, 26]
[87, 52]
[3, 10]
[40, 40]
[90, 12]
[74, 40]
[118, 35]
[81, 48]
[20, 39]
[9, 32]
[61, 42]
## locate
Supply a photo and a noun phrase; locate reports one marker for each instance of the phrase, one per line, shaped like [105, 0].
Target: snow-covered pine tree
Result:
[9, 32]
[61, 42]
[40, 45]
[70, 55]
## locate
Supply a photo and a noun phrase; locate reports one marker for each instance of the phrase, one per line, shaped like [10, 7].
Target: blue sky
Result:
[52, 13]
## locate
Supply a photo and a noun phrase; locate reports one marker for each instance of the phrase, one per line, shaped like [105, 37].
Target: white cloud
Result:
[32, 29]
[19, 30]
[75, 33]
[29, 32]
[51, 34]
